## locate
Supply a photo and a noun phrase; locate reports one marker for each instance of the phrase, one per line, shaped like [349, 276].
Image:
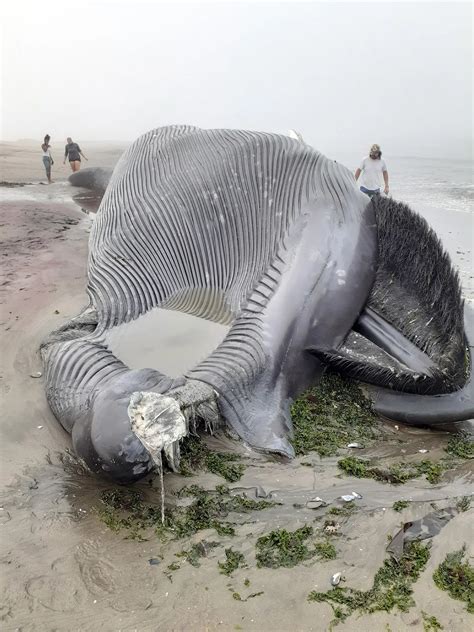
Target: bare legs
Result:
[47, 166]
[75, 165]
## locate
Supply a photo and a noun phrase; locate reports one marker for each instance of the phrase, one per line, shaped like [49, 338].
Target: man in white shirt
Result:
[371, 168]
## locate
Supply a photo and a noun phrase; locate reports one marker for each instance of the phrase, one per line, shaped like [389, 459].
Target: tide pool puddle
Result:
[171, 342]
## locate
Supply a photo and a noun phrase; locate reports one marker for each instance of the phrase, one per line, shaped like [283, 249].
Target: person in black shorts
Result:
[73, 153]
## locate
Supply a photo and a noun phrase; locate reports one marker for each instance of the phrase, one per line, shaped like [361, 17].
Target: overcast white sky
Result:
[344, 74]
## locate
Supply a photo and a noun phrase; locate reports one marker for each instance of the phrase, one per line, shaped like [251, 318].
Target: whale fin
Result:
[95, 178]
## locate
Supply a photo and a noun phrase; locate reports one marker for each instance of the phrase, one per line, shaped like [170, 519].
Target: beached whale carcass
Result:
[262, 232]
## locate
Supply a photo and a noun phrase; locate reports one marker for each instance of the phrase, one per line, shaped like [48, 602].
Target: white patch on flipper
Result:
[159, 424]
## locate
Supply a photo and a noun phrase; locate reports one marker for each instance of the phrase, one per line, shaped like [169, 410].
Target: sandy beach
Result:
[63, 568]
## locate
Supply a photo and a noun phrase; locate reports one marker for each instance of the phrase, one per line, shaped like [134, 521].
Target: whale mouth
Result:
[409, 342]
[410, 335]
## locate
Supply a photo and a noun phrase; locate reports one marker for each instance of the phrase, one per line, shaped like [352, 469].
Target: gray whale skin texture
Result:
[264, 233]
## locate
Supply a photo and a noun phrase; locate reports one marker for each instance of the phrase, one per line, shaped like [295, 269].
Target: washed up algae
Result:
[195, 553]
[461, 445]
[289, 548]
[329, 416]
[456, 577]
[430, 623]
[400, 505]
[233, 561]
[392, 587]
[127, 509]
[396, 474]
[195, 455]
[345, 510]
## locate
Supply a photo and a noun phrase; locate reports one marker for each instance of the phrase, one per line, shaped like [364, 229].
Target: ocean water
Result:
[442, 191]
[446, 184]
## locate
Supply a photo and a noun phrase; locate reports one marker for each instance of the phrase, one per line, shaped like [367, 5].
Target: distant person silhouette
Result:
[73, 153]
[371, 168]
[48, 161]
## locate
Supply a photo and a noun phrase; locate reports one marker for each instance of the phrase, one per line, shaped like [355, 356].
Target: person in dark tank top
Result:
[73, 153]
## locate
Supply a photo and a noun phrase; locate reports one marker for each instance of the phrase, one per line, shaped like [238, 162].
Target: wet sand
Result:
[63, 569]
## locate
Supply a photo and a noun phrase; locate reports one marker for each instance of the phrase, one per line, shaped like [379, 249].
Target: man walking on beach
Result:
[371, 168]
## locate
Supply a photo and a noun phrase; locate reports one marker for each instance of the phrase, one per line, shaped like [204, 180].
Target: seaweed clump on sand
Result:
[195, 553]
[392, 587]
[289, 548]
[464, 503]
[195, 455]
[456, 577]
[329, 416]
[397, 473]
[461, 445]
[127, 509]
[233, 561]
[400, 505]
[345, 510]
[430, 624]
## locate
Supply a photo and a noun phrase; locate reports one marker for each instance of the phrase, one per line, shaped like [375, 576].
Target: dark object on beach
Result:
[261, 232]
[154, 561]
[422, 529]
[94, 179]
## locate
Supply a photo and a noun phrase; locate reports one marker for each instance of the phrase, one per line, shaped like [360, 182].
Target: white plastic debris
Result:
[39, 427]
[336, 579]
[359, 446]
[423, 451]
[347, 498]
[37, 374]
[353, 496]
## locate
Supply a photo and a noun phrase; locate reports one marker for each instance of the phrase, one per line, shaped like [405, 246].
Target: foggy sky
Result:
[344, 75]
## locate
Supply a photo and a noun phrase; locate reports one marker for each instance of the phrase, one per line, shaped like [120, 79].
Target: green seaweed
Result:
[457, 578]
[195, 455]
[234, 560]
[345, 510]
[430, 624]
[284, 548]
[464, 503]
[237, 596]
[392, 587]
[208, 509]
[196, 552]
[329, 416]
[400, 505]
[326, 550]
[397, 473]
[461, 445]
[126, 509]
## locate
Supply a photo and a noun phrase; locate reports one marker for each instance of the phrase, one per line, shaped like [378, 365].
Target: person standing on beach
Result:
[73, 153]
[371, 168]
[48, 161]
